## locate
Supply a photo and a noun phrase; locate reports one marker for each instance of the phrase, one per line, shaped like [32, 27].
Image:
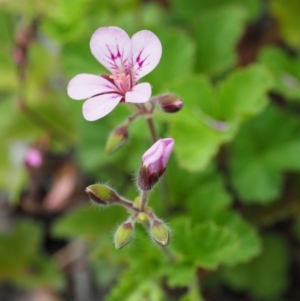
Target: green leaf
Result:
[135, 282]
[18, 248]
[266, 277]
[177, 59]
[190, 9]
[43, 271]
[193, 293]
[243, 93]
[16, 124]
[264, 148]
[179, 274]
[20, 260]
[88, 222]
[195, 129]
[77, 58]
[131, 287]
[286, 71]
[8, 76]
[217, 33]
[194, 150]
[224, 239]
[205, 245]
[249, 244]
[287, 14]
[208, 197]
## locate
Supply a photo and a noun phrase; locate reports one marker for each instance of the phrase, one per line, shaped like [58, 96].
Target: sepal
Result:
[102, 194]
[117, 139]
[159, 231]
[124, 233]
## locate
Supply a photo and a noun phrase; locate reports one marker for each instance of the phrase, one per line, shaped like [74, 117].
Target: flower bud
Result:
[159, 232]
[170, 103]
[116, 139]
[124, 234]
[33, 158]
[102, 194]
[142, 218]
[154, 162]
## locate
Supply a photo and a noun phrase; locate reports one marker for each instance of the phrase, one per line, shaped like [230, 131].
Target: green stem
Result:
[168, 254]
[129, 205]
[151, 127]
[144, 199]
[194, 290]
[154, 138]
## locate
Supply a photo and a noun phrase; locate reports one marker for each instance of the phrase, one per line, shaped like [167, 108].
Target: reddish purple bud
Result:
[170, 103]
[19, 55]
[33, 158]
[154, 162]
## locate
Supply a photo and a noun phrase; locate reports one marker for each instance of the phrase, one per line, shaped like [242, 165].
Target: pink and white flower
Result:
[128, 60]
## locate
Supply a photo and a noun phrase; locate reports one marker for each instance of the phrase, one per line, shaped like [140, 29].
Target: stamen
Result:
[122, 80]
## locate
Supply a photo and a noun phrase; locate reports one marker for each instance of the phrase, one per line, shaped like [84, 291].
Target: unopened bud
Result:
[124, 234]
[154, 162]
[142, 217]
[33, 158]
[116, 139]
[160, 232]
[145, 180]
[102, 194]
[170, 103]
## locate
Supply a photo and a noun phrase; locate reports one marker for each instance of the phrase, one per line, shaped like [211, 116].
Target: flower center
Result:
[122, 80]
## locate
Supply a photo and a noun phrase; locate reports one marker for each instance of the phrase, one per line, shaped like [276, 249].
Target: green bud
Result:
[142, 217]
[160, 232]
[123, 235]
[102, 194]
[116, 139]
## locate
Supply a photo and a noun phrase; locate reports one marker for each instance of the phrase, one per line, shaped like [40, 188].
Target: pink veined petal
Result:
[99, 106]
[139, 94]
[168, 147]
[111, 46]
[153, 154]
[86, 85]
[146, 53]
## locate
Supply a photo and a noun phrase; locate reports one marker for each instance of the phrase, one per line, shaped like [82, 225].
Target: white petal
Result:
[111, 46]
[168, 147]
[99, 106]
[153, 154]
[86, 85]
[146, 53]
[139, 94]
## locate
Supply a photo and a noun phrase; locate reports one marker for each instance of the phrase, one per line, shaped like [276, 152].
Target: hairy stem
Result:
[152, 131]
[144, 199]
[125, 203]
[168, 254]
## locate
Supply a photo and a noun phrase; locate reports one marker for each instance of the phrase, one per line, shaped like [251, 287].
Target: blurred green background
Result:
[233, 197]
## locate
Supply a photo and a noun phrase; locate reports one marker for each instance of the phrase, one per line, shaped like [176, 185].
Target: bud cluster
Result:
[154, 162]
